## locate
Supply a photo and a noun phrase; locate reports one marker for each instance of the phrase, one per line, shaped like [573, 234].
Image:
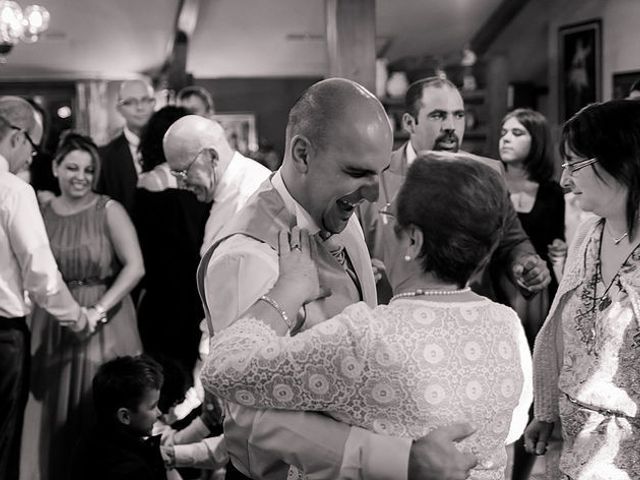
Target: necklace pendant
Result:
[604, 303]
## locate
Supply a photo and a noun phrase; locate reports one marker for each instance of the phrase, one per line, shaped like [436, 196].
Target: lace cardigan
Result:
[399, 370]
[549, 346]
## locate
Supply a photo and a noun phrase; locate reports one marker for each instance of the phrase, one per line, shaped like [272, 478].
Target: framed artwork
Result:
[580, 69]
[240, 129]
[622, 82]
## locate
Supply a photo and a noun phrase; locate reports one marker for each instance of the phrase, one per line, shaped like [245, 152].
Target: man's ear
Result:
[408, 123]
[214, 156]
[124, 415]
[300, 151]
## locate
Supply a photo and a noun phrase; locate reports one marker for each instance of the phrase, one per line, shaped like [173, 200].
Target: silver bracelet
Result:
[278, 309]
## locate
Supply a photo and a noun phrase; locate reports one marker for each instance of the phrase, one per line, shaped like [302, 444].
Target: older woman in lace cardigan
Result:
[436, 355]
[586, 358]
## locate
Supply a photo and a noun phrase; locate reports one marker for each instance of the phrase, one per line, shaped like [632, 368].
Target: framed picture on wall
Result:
[240, 129]
[580, 69]
[622, 82]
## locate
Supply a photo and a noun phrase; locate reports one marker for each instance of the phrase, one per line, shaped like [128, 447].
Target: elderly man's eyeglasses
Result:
[572, 168]
[137, 102]
[181, 175]
[34, 148]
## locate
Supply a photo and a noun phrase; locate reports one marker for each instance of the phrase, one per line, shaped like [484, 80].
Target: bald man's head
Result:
[197, 149]
[330, 105]
[338, 140]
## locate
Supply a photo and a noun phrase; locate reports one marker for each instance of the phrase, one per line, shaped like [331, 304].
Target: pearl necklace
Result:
[419, 292]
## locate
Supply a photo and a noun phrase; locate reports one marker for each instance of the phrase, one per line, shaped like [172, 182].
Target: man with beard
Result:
[435, 120]
[338, 140]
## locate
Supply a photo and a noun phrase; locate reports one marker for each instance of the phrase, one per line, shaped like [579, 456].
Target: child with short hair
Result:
[126, 391]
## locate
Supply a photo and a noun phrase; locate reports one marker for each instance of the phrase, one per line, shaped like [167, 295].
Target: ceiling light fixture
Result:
[18, 25]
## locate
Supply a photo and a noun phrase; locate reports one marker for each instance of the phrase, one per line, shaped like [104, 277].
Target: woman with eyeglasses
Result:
[587, 354]
[438, 354]
[96, 248]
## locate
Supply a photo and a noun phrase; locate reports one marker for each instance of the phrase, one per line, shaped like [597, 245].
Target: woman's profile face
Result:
[595, 190]
[515, 142]
[75, 174]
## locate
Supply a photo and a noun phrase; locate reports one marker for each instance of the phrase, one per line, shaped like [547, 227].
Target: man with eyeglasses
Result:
[202, 160]
[121, 161]
[26, 265]
[434, 118]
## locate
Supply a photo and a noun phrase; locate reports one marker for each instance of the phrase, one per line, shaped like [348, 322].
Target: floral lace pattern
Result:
[400, 370]
[600, 370]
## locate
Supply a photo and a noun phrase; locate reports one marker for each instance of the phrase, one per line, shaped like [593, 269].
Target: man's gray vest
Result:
[262, 218]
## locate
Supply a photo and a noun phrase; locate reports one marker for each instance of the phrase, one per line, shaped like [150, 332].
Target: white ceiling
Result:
[233, 38]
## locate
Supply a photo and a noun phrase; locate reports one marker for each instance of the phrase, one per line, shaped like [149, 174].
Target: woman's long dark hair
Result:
[539, 164]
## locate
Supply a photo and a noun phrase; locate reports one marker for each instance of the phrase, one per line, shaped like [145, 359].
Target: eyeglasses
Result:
[136, 102]
[181, 175]
[34, 148]
[572, 168]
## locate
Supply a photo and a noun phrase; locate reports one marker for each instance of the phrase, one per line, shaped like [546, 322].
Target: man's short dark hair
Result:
[413, 97]
[123, 382]
[459, 206]
[197, 91]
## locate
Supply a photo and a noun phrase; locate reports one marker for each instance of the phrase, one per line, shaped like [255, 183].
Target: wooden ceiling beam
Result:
[495, 24]
[173, 74]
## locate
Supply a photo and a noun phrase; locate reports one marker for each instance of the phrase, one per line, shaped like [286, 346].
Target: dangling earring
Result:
[407, 258]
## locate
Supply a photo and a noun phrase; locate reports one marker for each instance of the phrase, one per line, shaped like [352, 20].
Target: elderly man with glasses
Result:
[121, 160]
[202, 160]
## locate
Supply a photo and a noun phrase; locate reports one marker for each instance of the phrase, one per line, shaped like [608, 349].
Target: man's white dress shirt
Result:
[26, 261]
[134, 143]
[240, 271]
[239, 181]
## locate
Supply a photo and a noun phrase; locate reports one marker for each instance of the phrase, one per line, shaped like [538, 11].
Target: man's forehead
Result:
[135, 89]
[441, 98]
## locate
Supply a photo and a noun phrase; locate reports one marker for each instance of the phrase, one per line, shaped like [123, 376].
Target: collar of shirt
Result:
[303, 219]
[229, 181]
[132, 138]
[134, 141]
[4, 164]
[410, 153]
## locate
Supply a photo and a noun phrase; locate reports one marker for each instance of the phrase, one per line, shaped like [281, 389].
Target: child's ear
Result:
[124, 415]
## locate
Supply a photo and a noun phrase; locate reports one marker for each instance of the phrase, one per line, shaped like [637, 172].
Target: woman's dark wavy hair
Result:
[610, 132]
[153, 133]
[539, 164]
[459, 206]
[71, 141]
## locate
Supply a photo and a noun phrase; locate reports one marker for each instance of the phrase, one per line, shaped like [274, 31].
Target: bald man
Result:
[120, 158]
[200, 156]
[338, 139]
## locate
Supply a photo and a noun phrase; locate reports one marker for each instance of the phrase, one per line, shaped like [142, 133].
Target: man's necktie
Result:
[340, 254]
